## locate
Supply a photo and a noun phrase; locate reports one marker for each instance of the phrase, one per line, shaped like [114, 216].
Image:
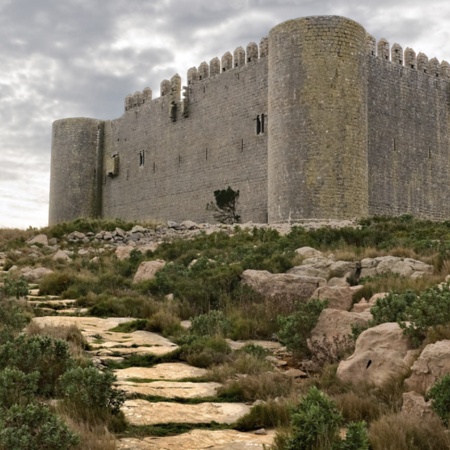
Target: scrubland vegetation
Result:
[51, 395]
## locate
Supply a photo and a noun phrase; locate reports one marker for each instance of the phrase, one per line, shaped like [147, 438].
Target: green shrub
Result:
[357, 437]
[89, 393]
[17, 388]
[440, 396]
[55, 283]
[296, 328]
[205, 351]
[43, 354]
[392, 308]
[430, 308]
[14, 288]
[315, 423]
[213, 323]
[34, 427]
[14, 316]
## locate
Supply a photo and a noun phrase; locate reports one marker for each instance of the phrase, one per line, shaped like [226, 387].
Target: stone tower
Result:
[317, 148]
[76, 169]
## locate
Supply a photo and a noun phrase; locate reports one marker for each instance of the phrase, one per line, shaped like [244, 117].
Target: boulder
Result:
[382, 354]
[432, 364]
[403, 266]
[33, 275]
[123, 251]
[339, 297]
[336, 324]
[309, 252]
[287, 285]
[39, 239]
[147, 270]
[61, 255]
[415, 405]
[188, 225]
[364, 305]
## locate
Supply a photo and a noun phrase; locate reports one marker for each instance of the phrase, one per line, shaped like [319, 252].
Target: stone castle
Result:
[317, 122]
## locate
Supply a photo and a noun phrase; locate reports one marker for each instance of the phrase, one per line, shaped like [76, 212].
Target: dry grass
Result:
[357, 406]
[92, 437]
[269, 385]
[400, 432]
[69, 333]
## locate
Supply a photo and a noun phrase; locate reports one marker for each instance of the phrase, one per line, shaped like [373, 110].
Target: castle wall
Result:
[187, 158]
[76, 169]
[318, 119]
[409, 138]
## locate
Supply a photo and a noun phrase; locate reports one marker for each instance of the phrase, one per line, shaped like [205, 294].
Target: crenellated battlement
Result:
[318, 120]
[216, 66]
[407, 58]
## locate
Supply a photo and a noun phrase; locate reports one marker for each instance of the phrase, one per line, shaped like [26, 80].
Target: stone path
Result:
[166, 381]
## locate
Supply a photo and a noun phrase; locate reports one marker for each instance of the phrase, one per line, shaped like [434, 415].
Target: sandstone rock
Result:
[282, 285]
[309, 252]
[339, 297]
[172, 224]
[142, 412]
[403, 266]
[34, 275]
[164, 371]
[123, 251]
[39, 239]
[61, 255]
[201, 440]
[295, 373]
[432, 364]
[334, 325]
[341, 268]
[173, 389]
[137, 229]
[382, 353]
[415, 405]
[338, 282]
[147, 270]
[76, 236]
[188, 225]
[309, 271]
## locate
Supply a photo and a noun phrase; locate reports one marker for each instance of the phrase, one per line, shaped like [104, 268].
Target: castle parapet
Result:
[227, 61]
[422, 62]
[203, 70]
[397, 54]
[383, 49]
[214, 67]
[252, 52]
[410, 58]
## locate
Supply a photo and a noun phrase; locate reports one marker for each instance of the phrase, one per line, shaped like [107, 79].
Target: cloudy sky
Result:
[80, 58]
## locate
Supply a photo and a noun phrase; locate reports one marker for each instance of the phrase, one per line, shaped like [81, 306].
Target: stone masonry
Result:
[318, 121]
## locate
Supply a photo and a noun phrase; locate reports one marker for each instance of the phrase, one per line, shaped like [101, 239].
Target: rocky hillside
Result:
[226, 337]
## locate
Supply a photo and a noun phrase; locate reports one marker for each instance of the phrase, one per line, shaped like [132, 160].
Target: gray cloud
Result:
[82, 57]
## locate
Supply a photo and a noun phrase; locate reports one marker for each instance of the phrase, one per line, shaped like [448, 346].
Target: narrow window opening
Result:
[412, 66]
[179, 159]
[141, 158]
[395, 146]
[242, 145]
[206, 154]
[262, 122]
[154, 167]
[258, 125]
[429, 152]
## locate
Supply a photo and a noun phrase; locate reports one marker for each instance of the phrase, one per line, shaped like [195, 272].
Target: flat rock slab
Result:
[142, 412]
[98, 335]
[201, 439]
[164, 371]
[170, 389]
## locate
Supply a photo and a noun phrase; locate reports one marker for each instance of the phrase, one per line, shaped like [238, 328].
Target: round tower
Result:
[317, 122]
[76, 169]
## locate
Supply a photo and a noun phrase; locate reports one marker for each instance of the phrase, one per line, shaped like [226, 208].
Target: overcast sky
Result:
[80, 58]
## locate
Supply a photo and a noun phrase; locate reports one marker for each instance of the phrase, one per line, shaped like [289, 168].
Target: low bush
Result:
[89, 394]
[205, 351]
[56, 283]
[296, 328]
[440, 396]
[33, 427]
[14, 288]
[14, 316]
[213, 323]
[17, 388]
[166, 323]
[43, 354]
